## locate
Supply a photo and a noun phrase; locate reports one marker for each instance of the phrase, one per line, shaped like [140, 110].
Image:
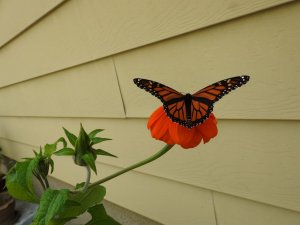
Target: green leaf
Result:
[102, 152]
[35, 153]
[65, 151]
[43, 167]
[51, 163]
[97, 140]
[71, 137]
[99, 216]
[82, 147]
[63, 141]
[93, 133]
[79, 185]
[85, 200]
[19, 180]
[49, 149]
[51, 204]
[72, 203]
[90, 161]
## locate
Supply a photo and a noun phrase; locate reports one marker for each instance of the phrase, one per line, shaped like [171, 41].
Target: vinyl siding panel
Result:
[247, 159]
[235, 211]
[82, 31]
[17, 16]
[251, 45]
[89, 90]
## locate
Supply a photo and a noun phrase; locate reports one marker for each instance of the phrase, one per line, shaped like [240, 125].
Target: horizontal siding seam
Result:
[32, 24]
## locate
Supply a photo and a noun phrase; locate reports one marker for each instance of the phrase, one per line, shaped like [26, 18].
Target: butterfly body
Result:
[190, 110]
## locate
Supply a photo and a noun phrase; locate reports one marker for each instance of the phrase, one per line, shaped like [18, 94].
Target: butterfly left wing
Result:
[161, 91]
[173, 101]
[203, 100]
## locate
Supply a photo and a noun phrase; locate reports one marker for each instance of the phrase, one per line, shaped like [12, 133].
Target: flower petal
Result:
[164, 129]
[159, 127]
[186, 137]
[209, 128]
[167, 139]
[173, 131]
[155, 116]
[191, 137]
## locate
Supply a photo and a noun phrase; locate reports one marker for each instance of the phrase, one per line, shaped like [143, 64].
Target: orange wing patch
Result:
[198, 110]
[206, 95]
[220, 88]
[177, 110]
[214, 91]
[166, 93]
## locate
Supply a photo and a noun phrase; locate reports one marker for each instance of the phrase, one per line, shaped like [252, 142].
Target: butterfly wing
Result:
[203, 100]
[191, 112]
[173, 101]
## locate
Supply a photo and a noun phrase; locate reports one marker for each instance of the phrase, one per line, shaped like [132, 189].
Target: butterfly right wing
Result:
[203, 101]
[173, 101]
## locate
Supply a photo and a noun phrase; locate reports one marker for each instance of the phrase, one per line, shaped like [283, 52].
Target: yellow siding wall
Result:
[56, 56]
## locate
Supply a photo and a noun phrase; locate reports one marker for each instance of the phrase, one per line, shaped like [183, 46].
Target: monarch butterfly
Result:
[190, 110]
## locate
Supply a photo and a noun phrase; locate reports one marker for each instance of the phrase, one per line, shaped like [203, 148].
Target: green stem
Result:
[88, 178]
[41, 182]
[46, 182]
[160, 153]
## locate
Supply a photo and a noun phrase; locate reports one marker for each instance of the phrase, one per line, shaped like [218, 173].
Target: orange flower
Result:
[162, 128]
